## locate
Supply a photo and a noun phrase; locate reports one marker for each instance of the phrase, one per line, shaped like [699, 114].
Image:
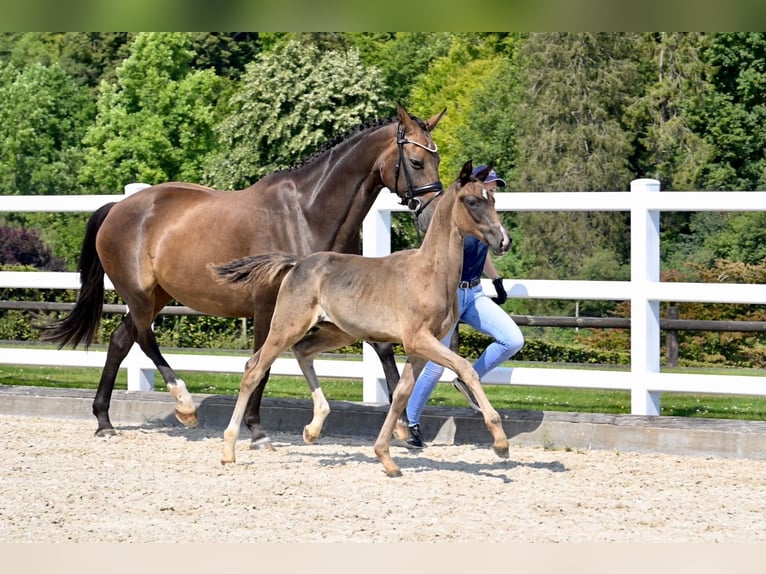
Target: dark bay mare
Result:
[408, 297]
[156, 245]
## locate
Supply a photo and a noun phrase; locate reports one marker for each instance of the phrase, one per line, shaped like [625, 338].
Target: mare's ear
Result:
[465, 173]
[432, 121]
[404, 117]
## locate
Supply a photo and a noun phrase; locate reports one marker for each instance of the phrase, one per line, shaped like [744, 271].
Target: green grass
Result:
[502, 397]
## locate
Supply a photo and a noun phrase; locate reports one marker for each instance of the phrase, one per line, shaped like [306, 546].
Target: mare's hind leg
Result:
[119, 345]
[326, 338]
[385, 352]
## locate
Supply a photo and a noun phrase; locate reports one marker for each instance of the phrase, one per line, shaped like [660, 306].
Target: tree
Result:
[155, 123]
[574, 92]
[403, 58]
[43, 115]
[289, 103]
[733, 120]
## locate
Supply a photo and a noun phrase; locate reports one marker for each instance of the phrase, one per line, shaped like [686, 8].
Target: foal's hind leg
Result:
[326, 338]
[252, 378]
[259, 440]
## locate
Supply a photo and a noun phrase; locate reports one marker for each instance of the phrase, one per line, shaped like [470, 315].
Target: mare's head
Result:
[411, 169]
[477, 215]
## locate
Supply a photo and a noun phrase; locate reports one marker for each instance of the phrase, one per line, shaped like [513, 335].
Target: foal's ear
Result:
[432, 121]
[483, 173]
[465, 173]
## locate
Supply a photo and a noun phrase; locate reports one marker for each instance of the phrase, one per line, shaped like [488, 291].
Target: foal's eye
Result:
[416, 164]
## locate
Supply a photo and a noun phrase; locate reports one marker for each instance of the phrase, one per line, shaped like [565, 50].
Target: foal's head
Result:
[478, 216]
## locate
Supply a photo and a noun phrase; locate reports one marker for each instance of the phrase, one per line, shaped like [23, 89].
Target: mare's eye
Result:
[416, 164]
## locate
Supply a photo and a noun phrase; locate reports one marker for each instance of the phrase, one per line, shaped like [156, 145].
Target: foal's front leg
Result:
[437, 352]
[398, 403]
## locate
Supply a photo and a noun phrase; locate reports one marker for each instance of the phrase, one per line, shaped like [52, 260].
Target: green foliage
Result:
[202, 331]
[43, 115]
[472, 344]
[289, 103]
[454, 81]
[156, 122]
[575, 89]
[404, 59]
[676, 77]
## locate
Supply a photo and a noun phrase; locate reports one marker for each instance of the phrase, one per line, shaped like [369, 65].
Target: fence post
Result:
[644, 312]
[671, 338]
[376, 230]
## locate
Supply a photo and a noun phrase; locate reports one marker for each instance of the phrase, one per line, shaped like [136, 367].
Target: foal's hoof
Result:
[308, 438]
[188, 419]
[106, 433]
[263, 443]
[501, 451]
[395, 473]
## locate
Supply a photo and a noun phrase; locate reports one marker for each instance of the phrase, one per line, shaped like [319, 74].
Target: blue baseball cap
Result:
[492, 176]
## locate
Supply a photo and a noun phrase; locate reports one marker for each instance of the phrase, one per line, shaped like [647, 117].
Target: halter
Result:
[410, 198]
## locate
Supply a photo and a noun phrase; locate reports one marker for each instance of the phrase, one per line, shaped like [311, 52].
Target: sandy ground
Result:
[165, 484]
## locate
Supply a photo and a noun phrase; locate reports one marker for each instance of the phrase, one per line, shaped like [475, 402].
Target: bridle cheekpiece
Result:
[412, 196]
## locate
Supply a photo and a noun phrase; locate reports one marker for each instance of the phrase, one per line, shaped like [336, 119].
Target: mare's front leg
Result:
[435, 351]
[326, 338]
[385, 352]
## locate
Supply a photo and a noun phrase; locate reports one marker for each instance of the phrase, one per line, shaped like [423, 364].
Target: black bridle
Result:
[412, 196]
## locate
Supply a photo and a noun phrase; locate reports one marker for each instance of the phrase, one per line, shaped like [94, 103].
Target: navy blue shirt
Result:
[474, 256]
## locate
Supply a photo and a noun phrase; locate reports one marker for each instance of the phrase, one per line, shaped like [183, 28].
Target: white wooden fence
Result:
[644, 201]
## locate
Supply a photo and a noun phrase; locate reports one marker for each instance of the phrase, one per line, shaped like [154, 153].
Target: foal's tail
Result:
[263, 269]
[82, 323]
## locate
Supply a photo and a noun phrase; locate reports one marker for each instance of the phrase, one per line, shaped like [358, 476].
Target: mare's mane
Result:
[348, 134]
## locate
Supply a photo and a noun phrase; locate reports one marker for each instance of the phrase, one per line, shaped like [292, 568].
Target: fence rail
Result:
[645, 291]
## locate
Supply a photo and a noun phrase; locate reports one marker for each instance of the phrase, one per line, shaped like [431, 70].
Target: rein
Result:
[411, 196]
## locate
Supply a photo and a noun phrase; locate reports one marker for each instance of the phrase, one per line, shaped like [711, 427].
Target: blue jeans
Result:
[480, 312]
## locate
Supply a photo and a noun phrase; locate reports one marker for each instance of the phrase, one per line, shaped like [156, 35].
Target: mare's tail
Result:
[82, 323]
[256, 269]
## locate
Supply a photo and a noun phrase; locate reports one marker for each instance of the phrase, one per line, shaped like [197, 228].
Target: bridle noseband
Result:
[411, 197]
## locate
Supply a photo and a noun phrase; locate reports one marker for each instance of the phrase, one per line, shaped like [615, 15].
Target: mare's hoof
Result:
[106, 433]
[187, 419]
[393, 473]
[263, 443]
[502, 452]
